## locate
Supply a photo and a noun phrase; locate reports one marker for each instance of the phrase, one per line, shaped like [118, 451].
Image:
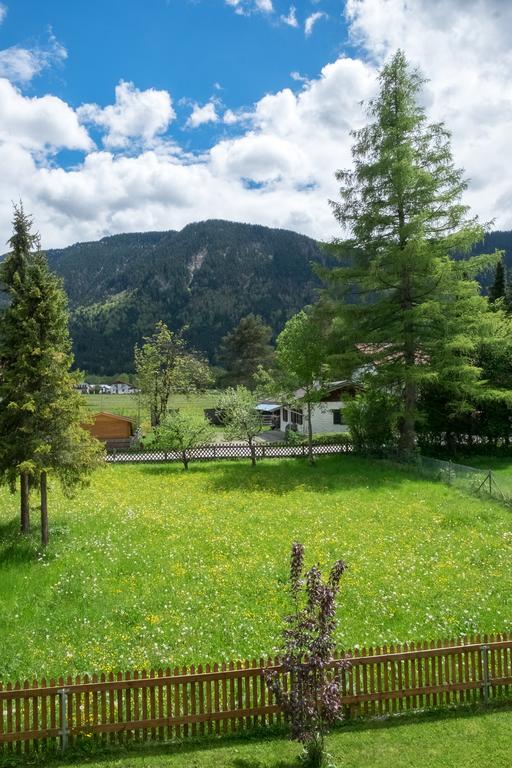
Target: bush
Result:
[372, 417]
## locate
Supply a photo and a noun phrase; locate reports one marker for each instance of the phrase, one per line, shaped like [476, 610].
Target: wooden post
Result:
[63, 697]
[44, 510]
[485, 664]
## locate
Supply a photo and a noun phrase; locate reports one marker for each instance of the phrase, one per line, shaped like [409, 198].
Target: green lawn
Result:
[153, 566]
[129, 405]
[462, 741]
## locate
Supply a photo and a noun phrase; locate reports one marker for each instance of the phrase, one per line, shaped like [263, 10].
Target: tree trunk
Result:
[44, 510]
[311, 458]
[253, 452]
[25, 503]
[407, 442]
[184, 459]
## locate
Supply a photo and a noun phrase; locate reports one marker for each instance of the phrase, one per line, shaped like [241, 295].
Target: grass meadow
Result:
[153, 566]
[454, 741]
[130, 405]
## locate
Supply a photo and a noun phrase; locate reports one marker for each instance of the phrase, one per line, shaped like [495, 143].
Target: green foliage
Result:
[166, 367]
[409, 308]
[301, 354]
[41, 413]
[372, 419]
[498, 289]
[240, 417]
[181, 431]
[244, 349]
[206, 277]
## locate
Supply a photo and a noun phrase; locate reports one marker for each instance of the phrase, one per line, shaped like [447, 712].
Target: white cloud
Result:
[291, 18]
[246, 7]
[312, 20]
[140, 115]
[202, 115]
[279, 168]
[20, 65]
[36, 123]
[3, 12]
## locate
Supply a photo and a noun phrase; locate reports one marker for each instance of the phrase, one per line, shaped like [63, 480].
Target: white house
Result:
[122, 388]
[326, 415]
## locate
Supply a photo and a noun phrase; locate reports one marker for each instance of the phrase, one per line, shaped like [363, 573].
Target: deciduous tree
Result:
[166, 367]
[182, 431]
[240, 417]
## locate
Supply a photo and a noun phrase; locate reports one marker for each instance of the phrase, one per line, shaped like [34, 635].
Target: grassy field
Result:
[462, 741]
[130, 405]
[153, 566]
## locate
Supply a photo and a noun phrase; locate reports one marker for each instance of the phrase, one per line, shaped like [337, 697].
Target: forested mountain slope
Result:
[208, 276]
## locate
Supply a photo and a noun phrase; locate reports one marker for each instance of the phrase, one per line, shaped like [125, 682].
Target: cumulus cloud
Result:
[312, 20]
[139, 115]
[291, 18]
[20, 65]
[202, 115]
[246, 7]
[39, 123]
[3, 12]
[277, 166]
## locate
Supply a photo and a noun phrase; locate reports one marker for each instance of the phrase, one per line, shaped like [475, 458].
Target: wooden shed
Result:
[117, 432]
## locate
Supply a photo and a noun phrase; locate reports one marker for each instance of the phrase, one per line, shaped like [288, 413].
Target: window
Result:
[285, 414]
[337, 416]
[296, 417]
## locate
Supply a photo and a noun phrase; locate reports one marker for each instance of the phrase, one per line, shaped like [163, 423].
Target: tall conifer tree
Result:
[16, 363]
[41, 413]
[498, 289]
[409, 309]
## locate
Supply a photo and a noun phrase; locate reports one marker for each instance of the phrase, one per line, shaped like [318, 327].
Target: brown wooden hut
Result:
[117, 432]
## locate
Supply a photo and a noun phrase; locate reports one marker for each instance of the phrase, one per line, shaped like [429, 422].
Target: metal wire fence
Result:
[473, 479]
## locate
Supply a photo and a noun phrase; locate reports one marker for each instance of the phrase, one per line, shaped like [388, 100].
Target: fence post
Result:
[63, 698]
[214, 451]
[485, 663]
[450, 472]
[490, 482]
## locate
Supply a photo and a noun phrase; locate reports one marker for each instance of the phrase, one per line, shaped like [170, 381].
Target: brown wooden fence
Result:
[218, 451]
[218, 699]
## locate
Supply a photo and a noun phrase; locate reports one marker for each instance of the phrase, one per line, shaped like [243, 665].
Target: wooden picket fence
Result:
[218, 451]
[220, 699]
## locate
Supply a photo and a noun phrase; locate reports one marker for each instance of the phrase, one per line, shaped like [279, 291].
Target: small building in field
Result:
[326, 415]
[270, 413]
[117, 432]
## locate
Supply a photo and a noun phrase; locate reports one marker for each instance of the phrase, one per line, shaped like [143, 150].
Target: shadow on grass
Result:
[259, 738]
[15, 547]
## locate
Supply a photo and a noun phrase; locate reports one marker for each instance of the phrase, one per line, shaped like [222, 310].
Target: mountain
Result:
[207, 277]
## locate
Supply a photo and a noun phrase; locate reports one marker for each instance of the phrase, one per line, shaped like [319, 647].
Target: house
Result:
[104, 389]
[122, 388]
[326, 415]
[85, 388]
[117, 432]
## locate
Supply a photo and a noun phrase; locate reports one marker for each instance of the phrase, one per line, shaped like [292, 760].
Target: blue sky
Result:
[123, 115]
[187, 47]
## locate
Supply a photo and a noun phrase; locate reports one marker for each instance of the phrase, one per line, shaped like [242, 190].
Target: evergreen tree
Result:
[409, 312]
[16, 363]
[498, 289]
[40, 409]
[244, 349]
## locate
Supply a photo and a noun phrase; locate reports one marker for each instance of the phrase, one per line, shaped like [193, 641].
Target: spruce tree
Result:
[41, 413]
[408, 310]
[16, 363]
[498, 289]
[244, 349]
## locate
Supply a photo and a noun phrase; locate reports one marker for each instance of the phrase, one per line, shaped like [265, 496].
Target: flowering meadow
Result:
[153, 566]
